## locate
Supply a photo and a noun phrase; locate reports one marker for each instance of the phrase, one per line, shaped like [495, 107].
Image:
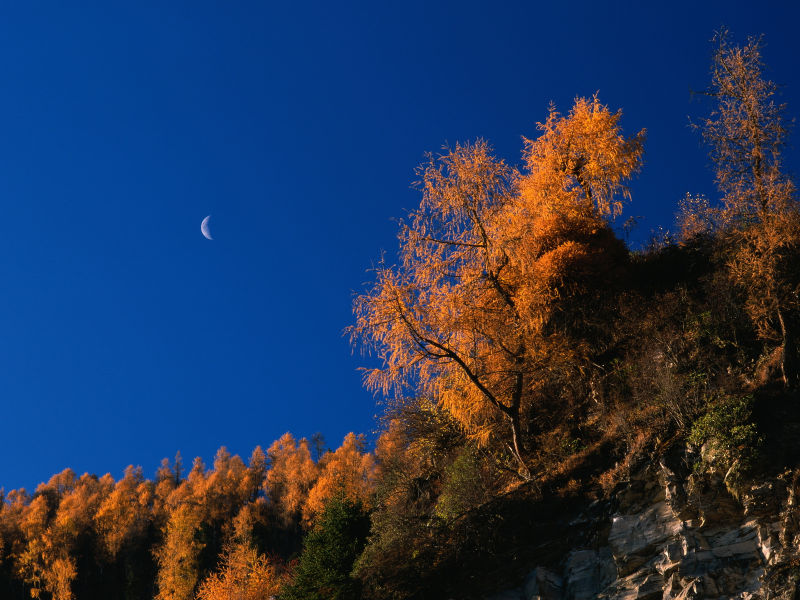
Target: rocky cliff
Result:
[674, 534]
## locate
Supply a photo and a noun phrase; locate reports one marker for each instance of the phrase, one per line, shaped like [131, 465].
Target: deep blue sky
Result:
[125, 335]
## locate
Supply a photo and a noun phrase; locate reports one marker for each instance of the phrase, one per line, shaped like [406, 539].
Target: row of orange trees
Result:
[205, 531]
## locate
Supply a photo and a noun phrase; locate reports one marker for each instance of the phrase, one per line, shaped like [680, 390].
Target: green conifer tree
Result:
[331, 550]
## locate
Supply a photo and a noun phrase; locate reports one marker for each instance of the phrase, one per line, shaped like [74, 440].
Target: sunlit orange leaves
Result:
[245, 574]
[476, 315]
[746, 134]
[580, 162]
[349, 469]
[190, 533]
[291, 477]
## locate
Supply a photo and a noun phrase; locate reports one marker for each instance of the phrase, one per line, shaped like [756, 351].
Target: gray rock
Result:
[541, 584]
[681, 536]
[587, 572]
[583, 578]
[633, 537]
[676, 589]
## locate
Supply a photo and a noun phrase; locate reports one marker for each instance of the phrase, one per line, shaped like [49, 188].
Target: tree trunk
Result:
[516, 438]
[516, 423]
[789, 358]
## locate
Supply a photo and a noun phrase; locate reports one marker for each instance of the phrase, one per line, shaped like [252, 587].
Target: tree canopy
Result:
[469, 315]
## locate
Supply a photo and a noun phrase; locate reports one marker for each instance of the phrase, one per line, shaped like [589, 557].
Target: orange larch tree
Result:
[256, 475]
[225, 489]
[580, 163]
[124, 515]
[178, 562]
[245, 574]
[57, 519]
[349, 469]
[746, 134]
[487, 262]
[446, 321]
[290, 478]
[32, 559]
[573, 185]
[70, 532]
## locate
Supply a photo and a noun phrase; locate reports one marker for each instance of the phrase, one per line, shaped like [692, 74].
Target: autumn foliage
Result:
[526, 354]
[759, 220]
[225, 532]
[491, 262]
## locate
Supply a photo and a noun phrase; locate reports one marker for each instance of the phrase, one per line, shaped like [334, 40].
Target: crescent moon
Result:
[204, 228]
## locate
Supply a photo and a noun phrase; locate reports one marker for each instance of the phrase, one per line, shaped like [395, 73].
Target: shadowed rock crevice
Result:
[678, 535]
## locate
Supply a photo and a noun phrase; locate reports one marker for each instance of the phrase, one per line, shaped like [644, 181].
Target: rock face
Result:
[675, 535]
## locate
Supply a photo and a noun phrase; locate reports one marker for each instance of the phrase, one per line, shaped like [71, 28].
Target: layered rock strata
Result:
[676, 535]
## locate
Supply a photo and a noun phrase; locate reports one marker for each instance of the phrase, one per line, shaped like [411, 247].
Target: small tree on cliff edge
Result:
[747, 132]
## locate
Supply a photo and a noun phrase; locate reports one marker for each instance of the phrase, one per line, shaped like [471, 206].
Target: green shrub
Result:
[463, 487]
[728, 437]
